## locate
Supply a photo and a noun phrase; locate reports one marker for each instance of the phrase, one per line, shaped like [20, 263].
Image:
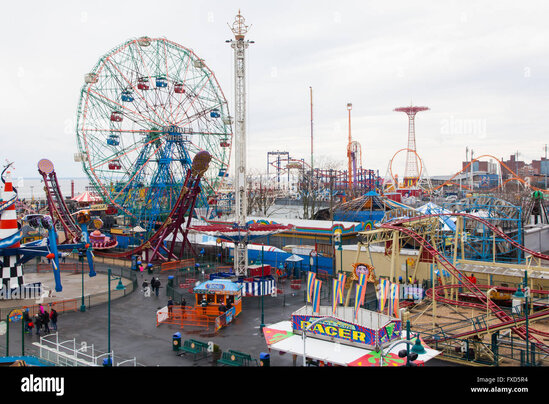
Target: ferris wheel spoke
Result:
[133, 112]
[138, 171]
[193, 101]
[137, 92]
[121, 153]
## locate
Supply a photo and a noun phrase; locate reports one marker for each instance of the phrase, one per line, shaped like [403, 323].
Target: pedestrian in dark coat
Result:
[46, 321]
[37, 323]
[170, 307]
[53, 318]
[26, 319]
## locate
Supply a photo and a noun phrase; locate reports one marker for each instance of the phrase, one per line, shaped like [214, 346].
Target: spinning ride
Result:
[146, 109]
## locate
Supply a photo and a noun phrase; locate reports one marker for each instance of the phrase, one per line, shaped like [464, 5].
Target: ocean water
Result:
[27, 188]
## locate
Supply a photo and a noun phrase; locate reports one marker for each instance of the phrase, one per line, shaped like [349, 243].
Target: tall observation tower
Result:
[411, 171]
[239, 44]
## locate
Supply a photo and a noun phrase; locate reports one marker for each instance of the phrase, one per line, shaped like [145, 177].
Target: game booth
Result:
[366, 338]
[218, 292]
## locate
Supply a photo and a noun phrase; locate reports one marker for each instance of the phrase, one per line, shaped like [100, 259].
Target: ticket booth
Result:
[217, 292]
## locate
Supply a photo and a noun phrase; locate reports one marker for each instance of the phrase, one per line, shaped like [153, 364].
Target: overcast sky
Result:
[481, 67]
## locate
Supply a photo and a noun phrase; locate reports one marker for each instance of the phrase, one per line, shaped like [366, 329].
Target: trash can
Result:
[176, 341]
[149, 268]
[264, 359]
[107, 362]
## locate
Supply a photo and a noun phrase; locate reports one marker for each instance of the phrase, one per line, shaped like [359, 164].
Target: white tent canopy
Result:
[431, 208]
[294, 258]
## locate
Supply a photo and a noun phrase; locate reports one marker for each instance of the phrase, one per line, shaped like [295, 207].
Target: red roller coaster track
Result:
[57, 207]
[463, 280]
[178, 221]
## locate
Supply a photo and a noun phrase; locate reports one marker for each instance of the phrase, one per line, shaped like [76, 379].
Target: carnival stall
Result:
[345, 335]
[216, 294]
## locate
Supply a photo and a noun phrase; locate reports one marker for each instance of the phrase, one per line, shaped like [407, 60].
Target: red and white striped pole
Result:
[8, 217]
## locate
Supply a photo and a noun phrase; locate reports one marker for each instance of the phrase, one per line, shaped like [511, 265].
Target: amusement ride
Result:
[146, 109]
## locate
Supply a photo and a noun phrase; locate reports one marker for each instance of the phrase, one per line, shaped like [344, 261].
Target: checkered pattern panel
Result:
[12, 274]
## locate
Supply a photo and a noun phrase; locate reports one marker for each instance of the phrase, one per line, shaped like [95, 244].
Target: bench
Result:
[194, 347]
[236, 358]
[246, 357]
[230, 359]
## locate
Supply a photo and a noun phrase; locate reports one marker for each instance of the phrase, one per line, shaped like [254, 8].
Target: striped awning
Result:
[258, 286]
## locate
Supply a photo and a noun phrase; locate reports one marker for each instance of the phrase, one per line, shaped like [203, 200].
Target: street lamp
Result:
[416, 349]
[81, 259]
[120, 286]
[262, 325]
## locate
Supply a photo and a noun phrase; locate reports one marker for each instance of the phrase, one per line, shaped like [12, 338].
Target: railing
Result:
[186, 317]
[72, 267]
[60, 306]
[70, 353]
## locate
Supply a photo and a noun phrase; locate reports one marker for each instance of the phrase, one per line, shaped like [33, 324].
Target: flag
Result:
[359, 297]
[311, 277]
[316, 296]
[341, 279]
[382, 293]
[336, 296]
[393, 299]
[362, 278]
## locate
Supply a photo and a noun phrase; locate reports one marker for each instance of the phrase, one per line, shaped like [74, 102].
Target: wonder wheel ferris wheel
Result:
[145, 110]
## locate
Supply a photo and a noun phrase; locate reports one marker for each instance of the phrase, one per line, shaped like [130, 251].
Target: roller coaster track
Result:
[397, 225]
[540, 315]
[178, 221]
[58, 209]
[515, 176]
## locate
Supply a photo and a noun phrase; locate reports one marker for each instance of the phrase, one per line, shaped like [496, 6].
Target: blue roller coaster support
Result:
[89, 254]
[52, 238]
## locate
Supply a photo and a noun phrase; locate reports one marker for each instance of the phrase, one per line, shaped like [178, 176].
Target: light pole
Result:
[417, 348]
[120, 286]
[349, 157]
[262, 325]
[14, 316]
[81, 259]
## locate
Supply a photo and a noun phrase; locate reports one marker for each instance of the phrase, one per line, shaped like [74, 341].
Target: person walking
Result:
[157, 286]
[53, 319]
[26, 320]
[37, 323]
[46, 322]
[170, 307]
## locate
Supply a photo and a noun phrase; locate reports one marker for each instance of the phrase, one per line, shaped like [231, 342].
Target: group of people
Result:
[224, 308]
[154, 284]
[40, 320]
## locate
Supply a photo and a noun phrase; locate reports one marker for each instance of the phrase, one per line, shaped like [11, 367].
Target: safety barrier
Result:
[72, 267]
[60, 306]
[185, 317]
[186, 263]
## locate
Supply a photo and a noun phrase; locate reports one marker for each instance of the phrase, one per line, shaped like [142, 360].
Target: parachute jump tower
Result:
[411, 173]
[239, 44]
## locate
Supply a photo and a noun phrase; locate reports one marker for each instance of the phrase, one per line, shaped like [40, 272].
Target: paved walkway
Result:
[134, 333]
